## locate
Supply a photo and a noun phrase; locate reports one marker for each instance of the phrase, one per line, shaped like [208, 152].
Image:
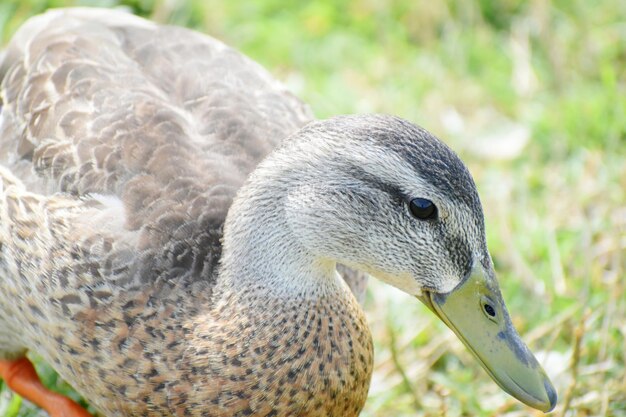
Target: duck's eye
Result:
[423, 209]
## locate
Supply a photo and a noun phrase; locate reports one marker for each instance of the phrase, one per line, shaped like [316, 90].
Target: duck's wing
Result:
[166, 120]
[75, 80]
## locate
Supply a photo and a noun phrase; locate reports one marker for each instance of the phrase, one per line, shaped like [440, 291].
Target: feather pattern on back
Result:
[169, 121]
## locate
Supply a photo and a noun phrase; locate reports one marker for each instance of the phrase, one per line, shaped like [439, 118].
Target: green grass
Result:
[532, 95]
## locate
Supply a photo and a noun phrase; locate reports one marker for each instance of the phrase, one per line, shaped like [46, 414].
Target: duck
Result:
[172, 221]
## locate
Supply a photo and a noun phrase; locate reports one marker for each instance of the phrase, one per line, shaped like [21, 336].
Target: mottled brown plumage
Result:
[151, 258]
[135, 138]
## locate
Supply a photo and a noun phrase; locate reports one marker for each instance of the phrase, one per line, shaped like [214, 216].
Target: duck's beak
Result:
[475, 311]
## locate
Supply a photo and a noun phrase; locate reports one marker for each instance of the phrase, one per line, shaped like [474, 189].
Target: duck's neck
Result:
[262, 254]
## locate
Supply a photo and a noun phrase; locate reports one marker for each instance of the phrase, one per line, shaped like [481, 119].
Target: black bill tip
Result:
[552, 396]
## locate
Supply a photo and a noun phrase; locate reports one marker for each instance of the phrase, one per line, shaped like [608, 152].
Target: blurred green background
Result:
[531, 94]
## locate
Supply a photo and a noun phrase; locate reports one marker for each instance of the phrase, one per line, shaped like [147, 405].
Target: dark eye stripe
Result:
[423, 209]
[360, 174]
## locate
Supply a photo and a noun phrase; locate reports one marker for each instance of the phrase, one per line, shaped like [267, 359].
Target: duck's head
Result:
[384, 196]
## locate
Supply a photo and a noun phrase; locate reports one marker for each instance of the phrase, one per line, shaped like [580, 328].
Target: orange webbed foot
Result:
[21, 377]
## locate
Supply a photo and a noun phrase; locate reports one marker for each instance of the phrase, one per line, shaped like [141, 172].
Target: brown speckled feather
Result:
[123, 144]
[170, 121]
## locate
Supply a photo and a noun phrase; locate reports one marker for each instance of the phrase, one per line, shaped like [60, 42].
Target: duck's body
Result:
[129, 263]
[111, 230]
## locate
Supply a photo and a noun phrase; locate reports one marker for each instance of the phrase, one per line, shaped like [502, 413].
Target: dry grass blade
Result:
[395, 357]
[574, 364]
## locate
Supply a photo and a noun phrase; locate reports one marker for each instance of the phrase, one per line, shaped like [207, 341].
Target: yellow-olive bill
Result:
[476, 312]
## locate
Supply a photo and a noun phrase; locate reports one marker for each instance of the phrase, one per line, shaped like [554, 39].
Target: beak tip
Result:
[552, 396]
